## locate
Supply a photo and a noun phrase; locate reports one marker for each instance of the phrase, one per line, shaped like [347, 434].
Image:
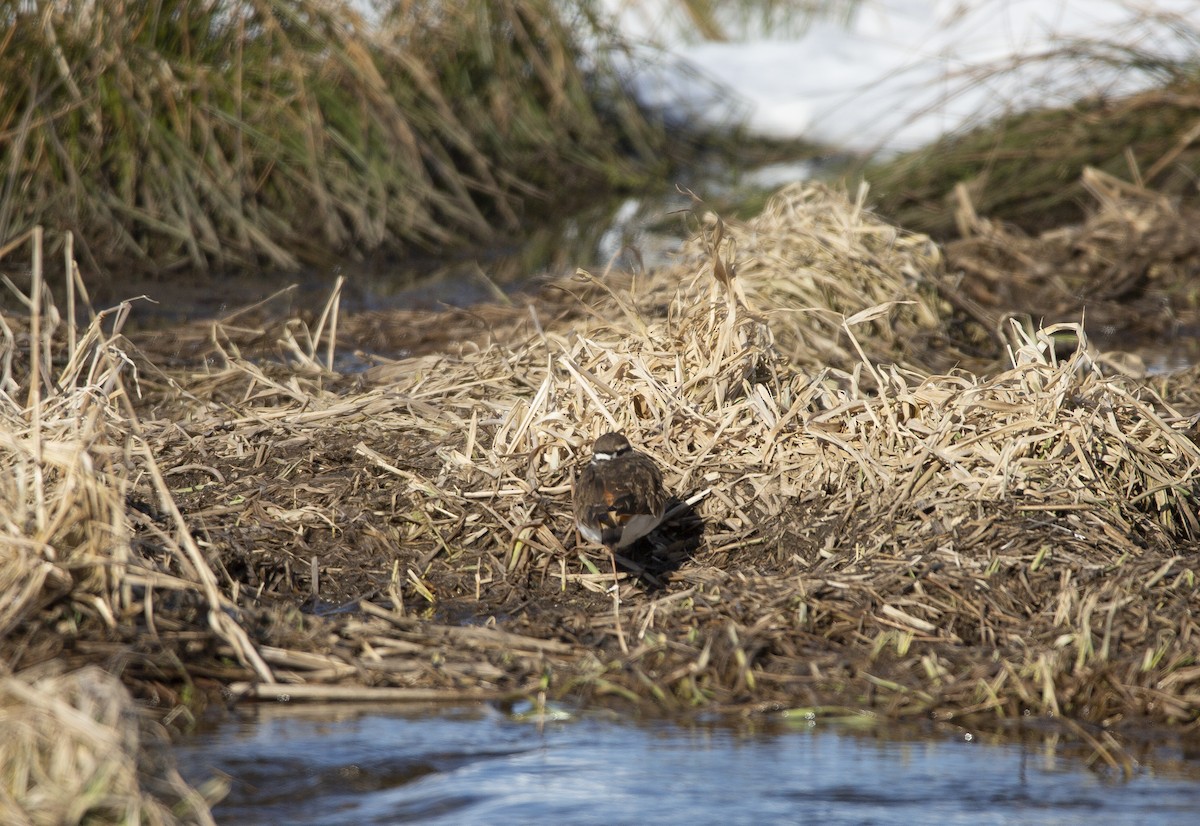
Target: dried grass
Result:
[1026, 168]
[228, 134]
[71, 746]
[856, 508]
[70, 448]
[852, 527]
[1130, 266]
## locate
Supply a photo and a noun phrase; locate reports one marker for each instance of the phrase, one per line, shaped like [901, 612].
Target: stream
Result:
[436, 765]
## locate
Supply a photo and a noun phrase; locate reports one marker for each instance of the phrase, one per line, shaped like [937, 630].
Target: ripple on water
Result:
[325, 766]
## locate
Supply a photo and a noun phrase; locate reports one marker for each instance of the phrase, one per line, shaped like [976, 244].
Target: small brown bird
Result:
[619, 497]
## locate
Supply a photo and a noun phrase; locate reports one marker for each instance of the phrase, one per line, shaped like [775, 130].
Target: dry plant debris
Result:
[71, 749]
[851, 526]
[1131, 267]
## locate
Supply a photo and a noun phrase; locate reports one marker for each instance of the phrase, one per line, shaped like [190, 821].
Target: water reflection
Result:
[627, 233]
[321, 765]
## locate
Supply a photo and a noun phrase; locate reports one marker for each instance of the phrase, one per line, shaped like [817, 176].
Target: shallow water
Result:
[301, 765]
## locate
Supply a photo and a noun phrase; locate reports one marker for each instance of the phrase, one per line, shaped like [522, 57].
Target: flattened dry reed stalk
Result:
[852, 524]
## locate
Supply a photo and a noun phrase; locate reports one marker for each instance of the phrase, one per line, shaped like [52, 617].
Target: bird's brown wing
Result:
[604, 507]
[642, 488]
[589, 493]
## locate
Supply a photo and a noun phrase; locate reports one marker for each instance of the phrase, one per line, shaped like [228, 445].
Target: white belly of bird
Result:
[590, 533]
[635, 529]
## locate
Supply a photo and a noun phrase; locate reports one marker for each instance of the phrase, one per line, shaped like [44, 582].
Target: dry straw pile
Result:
[71, 749]
[851, 528]
[71, 739]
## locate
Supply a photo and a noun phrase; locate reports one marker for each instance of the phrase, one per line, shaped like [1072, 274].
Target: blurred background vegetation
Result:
[220, 133]
[182, 135]
[1026, 168]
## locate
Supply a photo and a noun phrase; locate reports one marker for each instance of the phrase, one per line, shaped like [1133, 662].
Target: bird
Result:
[619, 497]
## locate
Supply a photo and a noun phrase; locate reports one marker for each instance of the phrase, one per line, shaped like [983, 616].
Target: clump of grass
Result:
[70, 446]
[1026, 168]
[73, 752]
[286, 132]
[1127, 270]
